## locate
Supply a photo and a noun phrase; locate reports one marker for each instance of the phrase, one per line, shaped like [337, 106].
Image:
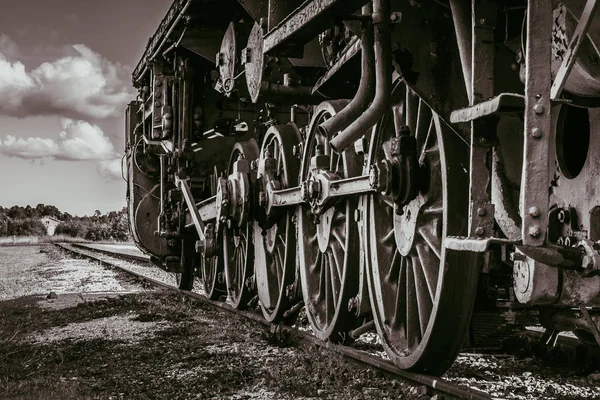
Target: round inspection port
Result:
[572, 140]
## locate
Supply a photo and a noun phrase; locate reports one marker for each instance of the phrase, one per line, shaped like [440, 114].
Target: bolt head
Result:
[479, 231]
[538, 108]
[481, 212]
[534, 211]
[535, 232]
[587, 262]
[536, 133]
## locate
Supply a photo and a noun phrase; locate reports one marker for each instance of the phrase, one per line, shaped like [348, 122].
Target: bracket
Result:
[535, 180]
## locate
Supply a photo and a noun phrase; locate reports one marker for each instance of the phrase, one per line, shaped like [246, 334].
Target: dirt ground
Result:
[159, 345]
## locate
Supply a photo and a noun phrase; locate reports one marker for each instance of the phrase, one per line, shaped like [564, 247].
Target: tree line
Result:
[26, 221]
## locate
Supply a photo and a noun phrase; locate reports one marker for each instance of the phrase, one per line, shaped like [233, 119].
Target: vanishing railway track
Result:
[300, 337]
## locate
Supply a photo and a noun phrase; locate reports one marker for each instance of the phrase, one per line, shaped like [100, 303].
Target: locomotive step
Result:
[505, 103]
[476, 245]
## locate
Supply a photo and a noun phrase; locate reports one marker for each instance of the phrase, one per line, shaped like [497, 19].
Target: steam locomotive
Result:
[423, 167]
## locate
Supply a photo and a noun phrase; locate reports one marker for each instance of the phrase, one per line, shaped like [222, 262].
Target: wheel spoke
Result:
[399, 317]
[429, 268]
[337, 234]
[413, 325]
[425, 144]
[411, 110]
[395, 265]
[433, 211]
[388, 237]
[333, 283]
[432, 241]
[424, 302]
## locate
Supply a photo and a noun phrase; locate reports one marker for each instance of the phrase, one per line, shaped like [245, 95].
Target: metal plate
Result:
[253, 60]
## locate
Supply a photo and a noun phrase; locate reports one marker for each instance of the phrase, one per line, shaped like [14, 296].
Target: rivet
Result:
[538, 108]
[481, 212]
[534, 211]
[534, 231]
[479, 231]
[536, 133]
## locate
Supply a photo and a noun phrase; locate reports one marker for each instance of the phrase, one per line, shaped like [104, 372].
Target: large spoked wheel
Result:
[422, 295]
[328, 247]
[211, 268]
[211, 275]
[238, 251]
[274, 237]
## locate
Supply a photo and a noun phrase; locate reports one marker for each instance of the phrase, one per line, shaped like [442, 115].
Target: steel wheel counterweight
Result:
[274, 236]
[328, 247]
[421, 293]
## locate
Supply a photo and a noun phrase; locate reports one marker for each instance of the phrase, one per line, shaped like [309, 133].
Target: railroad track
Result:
[439, 385]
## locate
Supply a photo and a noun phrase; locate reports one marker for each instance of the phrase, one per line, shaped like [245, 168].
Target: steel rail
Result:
[299, 337]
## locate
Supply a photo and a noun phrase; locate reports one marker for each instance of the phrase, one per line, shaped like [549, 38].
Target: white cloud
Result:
[81, 85]
[78, 141]
[110, 169]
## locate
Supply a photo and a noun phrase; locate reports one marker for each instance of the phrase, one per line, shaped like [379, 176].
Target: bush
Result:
[25, 227]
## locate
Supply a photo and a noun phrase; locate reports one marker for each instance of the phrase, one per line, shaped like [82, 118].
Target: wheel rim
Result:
[328, 248]
[418, 311]
[275, 245]
[238, 253]
[210, 268]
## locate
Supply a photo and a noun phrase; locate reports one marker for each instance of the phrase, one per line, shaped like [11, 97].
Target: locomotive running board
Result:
[476, 245]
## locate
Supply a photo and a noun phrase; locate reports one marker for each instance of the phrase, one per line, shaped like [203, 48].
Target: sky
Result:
[65, 79]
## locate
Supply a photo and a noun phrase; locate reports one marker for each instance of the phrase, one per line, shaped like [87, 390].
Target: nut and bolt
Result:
[535, 232]
[517, 256]
[587, 262]
[563, 216]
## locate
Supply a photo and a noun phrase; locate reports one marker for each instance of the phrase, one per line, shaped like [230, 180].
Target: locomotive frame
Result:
[416, 166]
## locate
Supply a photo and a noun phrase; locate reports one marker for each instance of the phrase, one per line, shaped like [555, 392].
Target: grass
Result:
[32, 240]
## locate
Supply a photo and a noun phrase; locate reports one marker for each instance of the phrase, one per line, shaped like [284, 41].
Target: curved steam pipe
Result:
[383, 80]
[365, 92]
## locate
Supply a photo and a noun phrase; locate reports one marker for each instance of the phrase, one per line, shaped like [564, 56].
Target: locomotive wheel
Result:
[211, 268]
[422, 295]
[275, 241]
[238, 252]
[328, 247]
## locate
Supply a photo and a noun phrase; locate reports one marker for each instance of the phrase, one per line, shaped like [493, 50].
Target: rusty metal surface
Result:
[505, 103]
[481, 215]
[158, 36]
[253, 60]
[308, 20]
[577, 38]
[535, 180]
